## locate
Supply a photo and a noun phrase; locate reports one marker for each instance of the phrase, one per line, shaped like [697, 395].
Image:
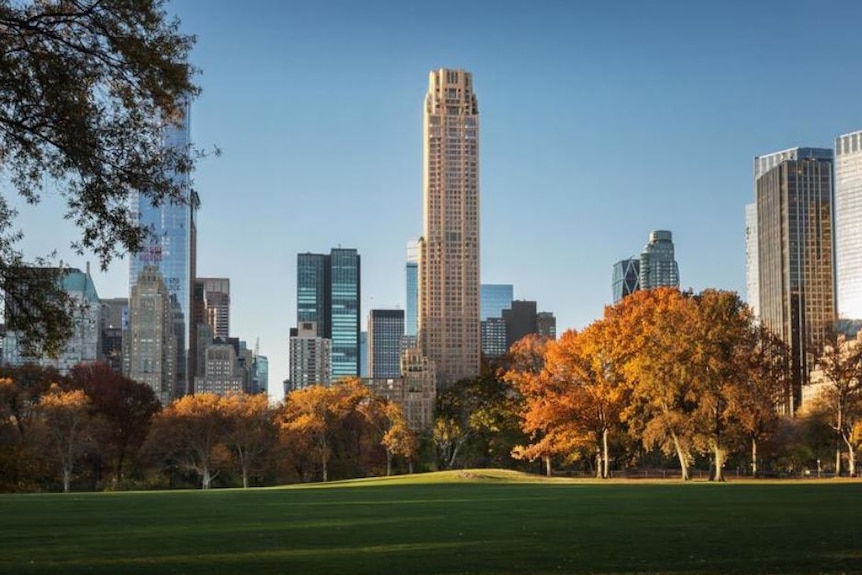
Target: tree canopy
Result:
[87, 88]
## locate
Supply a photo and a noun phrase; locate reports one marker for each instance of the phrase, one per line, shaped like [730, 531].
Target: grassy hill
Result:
[479, 522]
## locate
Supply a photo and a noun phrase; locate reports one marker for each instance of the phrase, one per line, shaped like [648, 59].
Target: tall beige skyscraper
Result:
[449, 328]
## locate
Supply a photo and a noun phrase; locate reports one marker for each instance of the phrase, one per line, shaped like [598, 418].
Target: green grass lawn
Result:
[479, 523]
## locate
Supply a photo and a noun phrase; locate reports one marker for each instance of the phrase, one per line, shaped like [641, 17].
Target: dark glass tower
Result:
[385, 328]
[327, 293]
[626, 278]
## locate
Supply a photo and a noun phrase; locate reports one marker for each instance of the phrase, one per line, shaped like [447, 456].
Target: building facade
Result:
[85, 343]
[795, 259]
[216, 294]
[494, 299]
[752, 281]
[626, 278]
[171, 249]
[222, 373]
[114, 321]
[848, 224]
[520, 321]
[658, 267]
[309, 361]
[150, 345]
[546, 325]
[328, 295]
[385, 333]
[449, 328]
[411, 276]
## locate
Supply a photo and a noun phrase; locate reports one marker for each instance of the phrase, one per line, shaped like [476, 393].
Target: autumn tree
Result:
[86, 88]
[251, 429]
[840, 366]
[396, 437]
[20, 390]
[65, 416]
[317, 414]
[653, 333]
[191, 432]
[125, 405]
[754, 402]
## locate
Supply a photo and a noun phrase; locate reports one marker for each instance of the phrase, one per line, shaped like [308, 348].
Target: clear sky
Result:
[600, 121]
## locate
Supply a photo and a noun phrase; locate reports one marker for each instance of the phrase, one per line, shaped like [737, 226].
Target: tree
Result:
[86, 89]
[754, 402]
[396, 437]
[840, 366]
[65, 417]
[191, 431]
[317, 414]
[125, 405]
[251, 428]
[653, 330]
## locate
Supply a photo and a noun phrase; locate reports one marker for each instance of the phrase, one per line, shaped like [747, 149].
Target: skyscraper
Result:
[449, 330]
[385, 329]
[848, 224]
[795, 256]
[626, 278]
[494, 299]
[328, 294]
[658, 268]
[309, 357]
[171, 249]
[411, 273]
[752, 283]
[217, 305]
[149, 348]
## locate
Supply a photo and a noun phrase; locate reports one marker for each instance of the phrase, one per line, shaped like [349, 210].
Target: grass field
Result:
[477, 523]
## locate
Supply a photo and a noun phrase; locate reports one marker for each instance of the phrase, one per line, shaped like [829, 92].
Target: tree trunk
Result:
[388, 463]
[245, 477]
[718, 452]
[547, 460]
[851, 455]
[410, 466]
[325, 474]
[754, 457]
[206, 478]
[599, 463]
[838, 460]
[67, 478]
[606, 468]
[683, 460]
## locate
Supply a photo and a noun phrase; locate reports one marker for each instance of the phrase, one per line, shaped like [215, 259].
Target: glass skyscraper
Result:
[345, 312]
[848, 224]
[170, 248]
[411, 315]
[794, 246]
[494, 299]
[385, 329]
[658, 268]
[626, 278]
[327, 294]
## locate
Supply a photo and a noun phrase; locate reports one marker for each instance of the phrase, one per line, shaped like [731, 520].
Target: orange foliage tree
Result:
[191, 432]
[65, 417]
[251, 429]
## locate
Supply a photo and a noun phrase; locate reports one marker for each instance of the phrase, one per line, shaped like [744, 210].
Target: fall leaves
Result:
[684, 373]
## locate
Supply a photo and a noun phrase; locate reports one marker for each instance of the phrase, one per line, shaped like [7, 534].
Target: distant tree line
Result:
[664, 381]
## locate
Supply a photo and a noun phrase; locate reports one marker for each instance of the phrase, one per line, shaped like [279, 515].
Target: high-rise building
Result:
[520, 321]
[494, 299]
[171, 248]
[222, 372]
[114, 320]
[313, 291]
[752, 284]
[149, 347]
[216, 292]
[411, 273]
[415, 390]
[385, 330]
[795, 256]
[449, 330]
[546, 325]
[658, 268]
[309, 357]
[344, 316]
[261, 374]
[84, 344]
[848, 224]
[626, 278]
[363, 354]
[328, 294]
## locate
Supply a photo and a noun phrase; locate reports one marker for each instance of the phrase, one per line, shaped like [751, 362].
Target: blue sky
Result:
[600, 122]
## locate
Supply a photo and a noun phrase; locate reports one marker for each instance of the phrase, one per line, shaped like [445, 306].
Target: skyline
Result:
[600, 124]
